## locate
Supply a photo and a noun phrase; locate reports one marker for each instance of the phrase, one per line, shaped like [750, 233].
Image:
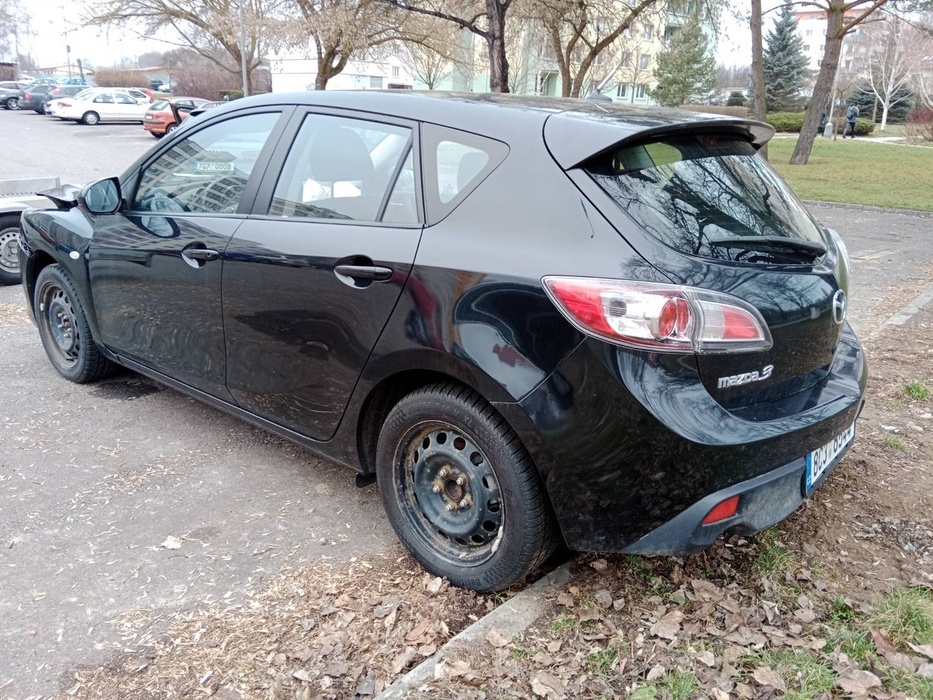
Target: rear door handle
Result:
[365, 272]
[205, 254]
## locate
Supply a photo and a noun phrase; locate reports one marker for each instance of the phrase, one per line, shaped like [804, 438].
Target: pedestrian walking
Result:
[824, 115]
[851, 116]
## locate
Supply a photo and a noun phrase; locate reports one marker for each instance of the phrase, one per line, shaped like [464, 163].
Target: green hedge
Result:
[791, 122]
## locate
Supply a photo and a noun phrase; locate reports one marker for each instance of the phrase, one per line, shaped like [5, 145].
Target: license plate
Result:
[821, 458]
[212, 167]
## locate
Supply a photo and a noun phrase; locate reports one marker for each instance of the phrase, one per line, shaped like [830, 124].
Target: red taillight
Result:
[660, 317]
[64, 104]
[723, 511]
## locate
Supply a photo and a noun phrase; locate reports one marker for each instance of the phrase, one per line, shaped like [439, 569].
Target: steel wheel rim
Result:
[13, 103]
[58, 320]
[449, 493]
[9, 250]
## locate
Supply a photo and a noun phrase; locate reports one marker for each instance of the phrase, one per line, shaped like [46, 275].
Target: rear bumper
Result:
[634, 452]
[763, 501]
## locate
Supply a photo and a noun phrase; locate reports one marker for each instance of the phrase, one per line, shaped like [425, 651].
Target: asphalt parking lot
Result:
[95, 480]
[35, 145]
[124, 502]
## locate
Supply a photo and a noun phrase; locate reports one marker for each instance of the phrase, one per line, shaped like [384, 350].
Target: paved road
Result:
[95, 479]
[35, 145]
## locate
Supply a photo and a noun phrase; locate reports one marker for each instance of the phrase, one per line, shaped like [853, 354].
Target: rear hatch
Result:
[701, 206]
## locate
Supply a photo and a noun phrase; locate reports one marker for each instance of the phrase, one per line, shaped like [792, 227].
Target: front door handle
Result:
[365, 272]
[205, 254]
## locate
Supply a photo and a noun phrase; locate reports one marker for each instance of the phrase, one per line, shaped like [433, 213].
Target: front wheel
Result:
[9, 249]
[90, 118]
[461, 491]
[64, 329]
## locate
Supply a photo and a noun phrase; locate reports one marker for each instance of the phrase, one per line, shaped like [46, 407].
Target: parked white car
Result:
[95, 105]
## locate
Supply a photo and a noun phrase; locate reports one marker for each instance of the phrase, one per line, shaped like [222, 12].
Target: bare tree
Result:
[435, 49]
[581, 31]
[202, 25]
[893, 50]
[340, 31]
[485, 18]
[11, 15]
[759, 105]
[842, 17]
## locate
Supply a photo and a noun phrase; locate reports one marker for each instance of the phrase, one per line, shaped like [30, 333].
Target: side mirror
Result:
[102, 197]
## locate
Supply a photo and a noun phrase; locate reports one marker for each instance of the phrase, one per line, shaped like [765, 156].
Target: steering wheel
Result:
[221, 196]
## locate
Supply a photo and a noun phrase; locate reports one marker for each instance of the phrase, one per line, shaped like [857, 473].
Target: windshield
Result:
[694, 192]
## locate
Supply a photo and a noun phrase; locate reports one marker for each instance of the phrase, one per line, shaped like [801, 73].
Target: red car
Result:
[160, 119]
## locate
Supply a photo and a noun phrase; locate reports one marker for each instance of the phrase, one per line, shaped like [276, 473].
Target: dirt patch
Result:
[825, 605]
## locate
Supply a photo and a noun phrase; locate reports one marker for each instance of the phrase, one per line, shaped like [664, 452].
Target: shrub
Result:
[792, 122]
[116, 77]
[736, 99]
[920, 124]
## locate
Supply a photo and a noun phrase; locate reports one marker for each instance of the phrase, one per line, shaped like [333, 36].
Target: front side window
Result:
[206, 172]
[340, 168]
[695, 193]
[106, 98]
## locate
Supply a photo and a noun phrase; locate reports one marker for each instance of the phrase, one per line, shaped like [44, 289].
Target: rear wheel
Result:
[90, 118]
[461, 491]
[171, 127]
[64, 329]
[9, 249]
[12, 103]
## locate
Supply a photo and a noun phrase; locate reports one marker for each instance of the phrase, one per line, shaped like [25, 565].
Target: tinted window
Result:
[403, 204]
[206, 172]
[689, 191]
[456, 162]
[339, 168]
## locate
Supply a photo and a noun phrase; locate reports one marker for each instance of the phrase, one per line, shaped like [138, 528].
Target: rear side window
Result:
[341, 168]
[689, 191]
[456, 162]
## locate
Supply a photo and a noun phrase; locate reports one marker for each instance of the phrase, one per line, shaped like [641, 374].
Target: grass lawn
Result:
[859, 172]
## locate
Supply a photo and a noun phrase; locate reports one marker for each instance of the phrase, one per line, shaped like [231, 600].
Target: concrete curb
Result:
[870, 207]
[508, 619]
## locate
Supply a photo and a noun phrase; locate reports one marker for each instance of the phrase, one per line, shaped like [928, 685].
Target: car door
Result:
[105, 107]
[155, 268]
[311, 278]
[128, 109]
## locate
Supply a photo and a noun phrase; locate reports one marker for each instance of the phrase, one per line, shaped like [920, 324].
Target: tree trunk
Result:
[498, 63]
[835, 31]
[759, 106]
[884, 114]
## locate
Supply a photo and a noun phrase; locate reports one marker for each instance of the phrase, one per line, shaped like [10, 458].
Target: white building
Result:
[811, 25]
[291, 73]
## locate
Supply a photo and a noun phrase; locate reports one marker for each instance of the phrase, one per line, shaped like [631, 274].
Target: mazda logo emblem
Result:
[840, 305]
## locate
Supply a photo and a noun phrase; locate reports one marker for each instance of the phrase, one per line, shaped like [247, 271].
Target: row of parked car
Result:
[94, 105]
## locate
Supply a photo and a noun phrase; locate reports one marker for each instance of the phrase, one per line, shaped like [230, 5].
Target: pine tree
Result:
[686, 71]
[785, 64]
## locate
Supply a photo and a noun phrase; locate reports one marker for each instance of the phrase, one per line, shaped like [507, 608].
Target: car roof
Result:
[575, 129]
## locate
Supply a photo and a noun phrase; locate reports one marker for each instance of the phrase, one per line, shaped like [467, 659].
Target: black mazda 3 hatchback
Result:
[531, 319]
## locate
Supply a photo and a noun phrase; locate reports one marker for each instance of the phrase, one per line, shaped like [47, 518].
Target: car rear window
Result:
[689, 190]
[159, 105]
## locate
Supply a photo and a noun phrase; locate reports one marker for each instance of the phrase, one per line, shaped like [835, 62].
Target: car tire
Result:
[64, 329]
[461, 491]
[90, 118]
[155, 135]
[171, 127]
[9, 249]
[12, 103]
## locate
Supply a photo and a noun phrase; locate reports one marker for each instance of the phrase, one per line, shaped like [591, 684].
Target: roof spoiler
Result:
[571, 145]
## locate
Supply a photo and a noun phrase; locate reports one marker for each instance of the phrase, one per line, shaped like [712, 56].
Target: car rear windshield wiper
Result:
[772, 244]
